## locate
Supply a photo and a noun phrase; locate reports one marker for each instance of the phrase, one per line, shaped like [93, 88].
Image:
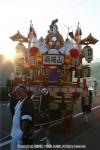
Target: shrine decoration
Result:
[32, 36]
[77, 35]
[41, 45]
[21, 52]
[38, 57]
[73, 47]
[54, 39]
[74, 53]
[86, 71]
[19, 72]
[88, 53]
[20, 61]
[20, 48]
[53, 57]
[53, 63]
[88, 40]
[19, 37]
[67, 59]
[32, 52]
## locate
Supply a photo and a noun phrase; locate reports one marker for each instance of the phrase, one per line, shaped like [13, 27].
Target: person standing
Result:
[85, 101]
[22, 126]
[44, 114]
[12, 100]
[85, 106]
[90, 96]
[95, 87]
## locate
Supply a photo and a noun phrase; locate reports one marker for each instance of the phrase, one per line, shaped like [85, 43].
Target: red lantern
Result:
[74, 53]
[33, 51]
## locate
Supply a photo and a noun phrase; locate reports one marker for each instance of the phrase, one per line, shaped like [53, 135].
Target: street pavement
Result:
[79, 135]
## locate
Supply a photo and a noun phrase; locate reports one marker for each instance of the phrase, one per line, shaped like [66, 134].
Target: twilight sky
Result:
[16, 15]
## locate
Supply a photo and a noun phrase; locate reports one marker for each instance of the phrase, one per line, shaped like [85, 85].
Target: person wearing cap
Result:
[86, 102]
[21, 131]
[44, 114]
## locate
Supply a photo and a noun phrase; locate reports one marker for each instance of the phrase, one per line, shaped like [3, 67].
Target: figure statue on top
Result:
[54, 39]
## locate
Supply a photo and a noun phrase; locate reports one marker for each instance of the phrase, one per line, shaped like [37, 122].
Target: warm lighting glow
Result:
[9, 55]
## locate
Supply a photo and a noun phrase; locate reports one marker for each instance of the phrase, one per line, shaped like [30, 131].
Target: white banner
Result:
[53, 59]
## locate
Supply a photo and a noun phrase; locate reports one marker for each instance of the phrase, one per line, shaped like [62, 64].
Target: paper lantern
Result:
[33, 51]
[88, 53]
[20, 48]
[74, 53]
[20, 61]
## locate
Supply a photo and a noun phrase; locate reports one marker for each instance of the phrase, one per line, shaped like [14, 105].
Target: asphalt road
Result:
[80, 135]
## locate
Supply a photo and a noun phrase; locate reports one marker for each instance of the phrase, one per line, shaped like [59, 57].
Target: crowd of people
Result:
[22, 111]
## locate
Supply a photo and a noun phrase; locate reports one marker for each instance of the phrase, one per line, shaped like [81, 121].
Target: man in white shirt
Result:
[22, 120]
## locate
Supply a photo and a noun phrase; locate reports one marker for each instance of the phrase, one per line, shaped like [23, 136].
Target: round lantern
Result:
[74, 53]
[20, 61]
[20, 48]
[33, 51]
[88, 53]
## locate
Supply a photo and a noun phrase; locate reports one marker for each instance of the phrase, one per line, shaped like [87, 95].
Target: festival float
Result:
[56, 64]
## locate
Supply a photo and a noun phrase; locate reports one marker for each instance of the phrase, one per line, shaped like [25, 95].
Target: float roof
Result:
[88, 40]
[19, 37]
